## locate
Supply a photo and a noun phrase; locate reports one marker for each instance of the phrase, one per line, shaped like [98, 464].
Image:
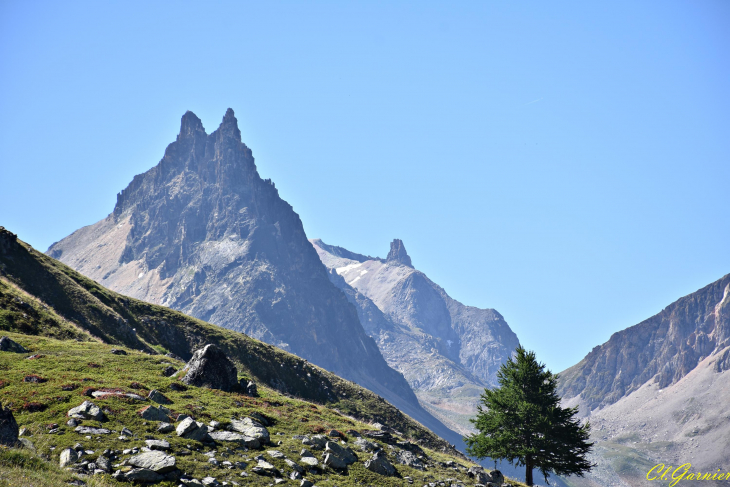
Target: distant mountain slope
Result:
[663, 348]
[201, 232]
[448, 352]
[657, 392]
[43, 297]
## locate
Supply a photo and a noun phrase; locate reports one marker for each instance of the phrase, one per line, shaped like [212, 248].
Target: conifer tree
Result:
[522, 422]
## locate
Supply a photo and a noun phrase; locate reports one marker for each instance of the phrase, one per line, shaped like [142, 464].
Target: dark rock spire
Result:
[398, 253]
[189, 125]
[229, 126]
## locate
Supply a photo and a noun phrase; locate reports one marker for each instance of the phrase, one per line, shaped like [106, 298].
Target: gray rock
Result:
[305, 453]
[318, 442]
[156, 461]
[333, 461]
[73, 422]
[8, 427]
[309, 461]
[191, 482]
[8, 345]
[158, 397]
[252, 428]
[210, 481]
[244, 440]
[380, 465]
[103, 463]
[366, 445]
[192, 430]
[306, 483]
[127, 432]
[405, 457]
[275, 454]
[117, 351]
[165, 428]
[294, 465]
[103, 394]
[155, 413]
[87, 410]
[210, 368]
[157, 444]
[68, 456]
[87, 430]
[347, 455]
[143, 475]
[264, 468]
[169, 371]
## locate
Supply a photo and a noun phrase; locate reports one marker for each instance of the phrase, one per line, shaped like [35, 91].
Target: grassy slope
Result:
[70, 302]
[57, 312]
[90, 364]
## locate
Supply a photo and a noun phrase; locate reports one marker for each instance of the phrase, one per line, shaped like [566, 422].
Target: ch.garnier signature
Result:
[667, 472]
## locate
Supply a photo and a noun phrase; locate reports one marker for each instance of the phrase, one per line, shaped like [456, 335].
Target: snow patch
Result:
[140, 275]
[342, 270]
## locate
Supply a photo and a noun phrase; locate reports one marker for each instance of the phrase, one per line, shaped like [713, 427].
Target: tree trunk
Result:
[528, 472]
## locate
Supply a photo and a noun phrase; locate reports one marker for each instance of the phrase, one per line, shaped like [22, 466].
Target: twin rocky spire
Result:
[190, 124]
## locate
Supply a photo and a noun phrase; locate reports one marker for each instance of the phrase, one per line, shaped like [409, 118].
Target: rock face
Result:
[210, 368]
[8, 427]
[662, 381]
[664, 348]
[448, 352]
[203, 233]
[8, 345]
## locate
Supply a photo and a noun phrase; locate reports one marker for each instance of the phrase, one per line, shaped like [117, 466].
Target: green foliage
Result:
[522, 422]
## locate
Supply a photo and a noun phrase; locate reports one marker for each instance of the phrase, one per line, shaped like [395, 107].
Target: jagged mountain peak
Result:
[398, 253]
[229, 126]
[190, 124]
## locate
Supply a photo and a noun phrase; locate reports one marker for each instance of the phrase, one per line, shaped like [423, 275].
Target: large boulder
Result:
[152, 413]
[346, 455]
[87, 410]
[192, 430]
[157, 461]
[210, 368]
[380, 465]
[480, 476]
[252, 428]
[8, 427]
[8, 345]
[230, 436]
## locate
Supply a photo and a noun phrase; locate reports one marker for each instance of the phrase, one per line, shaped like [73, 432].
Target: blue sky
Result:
[563, 162]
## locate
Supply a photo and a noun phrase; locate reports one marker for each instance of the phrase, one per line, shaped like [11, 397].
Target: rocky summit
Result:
[203, 233]
[447, 351]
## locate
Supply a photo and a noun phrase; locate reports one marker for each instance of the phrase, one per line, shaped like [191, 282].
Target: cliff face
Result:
[657, 392]
[201, 232]
[663, 348]
[448, 352]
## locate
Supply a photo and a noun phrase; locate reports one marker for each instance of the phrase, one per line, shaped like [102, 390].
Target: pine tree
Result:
[522, 422]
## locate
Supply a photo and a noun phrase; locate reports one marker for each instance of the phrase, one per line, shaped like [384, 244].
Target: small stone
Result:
[117, 351]
[165, 428]
[157, 444]
[158, 397]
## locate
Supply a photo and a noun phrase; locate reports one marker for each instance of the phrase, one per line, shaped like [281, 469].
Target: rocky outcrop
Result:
[398, 254]
[210, 368]
[8, 345]
[8, 427]
[379, 464]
